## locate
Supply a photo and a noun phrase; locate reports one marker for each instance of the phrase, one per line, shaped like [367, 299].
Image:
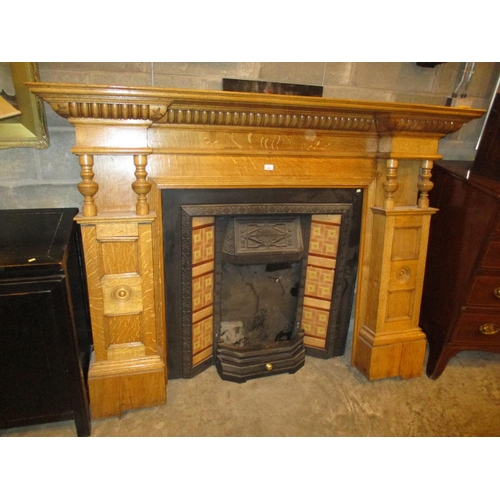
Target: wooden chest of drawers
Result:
[461, 297]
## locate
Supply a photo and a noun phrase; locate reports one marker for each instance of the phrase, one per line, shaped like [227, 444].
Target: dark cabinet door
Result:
[32, 374]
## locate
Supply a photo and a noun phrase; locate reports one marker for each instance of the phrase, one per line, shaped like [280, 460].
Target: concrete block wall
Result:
[31, 178]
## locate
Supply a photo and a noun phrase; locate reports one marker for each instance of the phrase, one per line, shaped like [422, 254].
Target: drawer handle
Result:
[496, 293]
[269, 367]
[489, 329]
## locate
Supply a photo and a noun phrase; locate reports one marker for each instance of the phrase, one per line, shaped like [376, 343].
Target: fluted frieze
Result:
[269, 119]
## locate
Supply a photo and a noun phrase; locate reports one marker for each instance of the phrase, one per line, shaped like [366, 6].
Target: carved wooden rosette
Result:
[136, 141]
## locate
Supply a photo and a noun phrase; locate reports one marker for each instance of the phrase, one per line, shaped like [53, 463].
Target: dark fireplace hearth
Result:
[239, 364]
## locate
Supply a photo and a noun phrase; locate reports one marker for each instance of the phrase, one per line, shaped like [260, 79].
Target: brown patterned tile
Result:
[324, 239]
[202, 335]
[315, 322]
[319, 282]
[203, 291]
[203, 245]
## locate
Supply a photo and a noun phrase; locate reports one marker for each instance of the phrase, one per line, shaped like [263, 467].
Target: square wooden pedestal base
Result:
[402, 359]
[113, 393]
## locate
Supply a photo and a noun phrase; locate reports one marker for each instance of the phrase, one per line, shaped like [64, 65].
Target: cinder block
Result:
[360, 94]
[120, 78]
[6, 197]
[376, 75]
[305, 73]
[338, 73]
[456, 150]
[484, 79]
[18, 164]
[41, 196]
[53, 75]
[187, 82]
[86, 67]
[244, 70]
[446, 78]
[54, 120]
[138, 74]
[482, 82]
[431, 99]
[6, 78]
[57, 163]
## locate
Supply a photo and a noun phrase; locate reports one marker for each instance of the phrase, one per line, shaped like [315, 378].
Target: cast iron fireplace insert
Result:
[180, 207]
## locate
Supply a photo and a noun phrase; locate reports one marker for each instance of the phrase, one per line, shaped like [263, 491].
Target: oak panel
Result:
[124, 329]
[119, 257]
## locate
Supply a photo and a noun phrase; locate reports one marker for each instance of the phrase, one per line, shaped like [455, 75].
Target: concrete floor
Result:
[324, 398]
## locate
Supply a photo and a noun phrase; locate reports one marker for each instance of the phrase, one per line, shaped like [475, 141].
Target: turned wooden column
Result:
[425, 184]
[88, 187]
[141, 186]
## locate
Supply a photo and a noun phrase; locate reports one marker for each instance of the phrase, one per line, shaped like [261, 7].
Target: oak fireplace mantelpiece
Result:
[134, 142]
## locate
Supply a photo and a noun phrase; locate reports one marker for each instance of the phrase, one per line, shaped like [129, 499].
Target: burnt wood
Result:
[45, 339]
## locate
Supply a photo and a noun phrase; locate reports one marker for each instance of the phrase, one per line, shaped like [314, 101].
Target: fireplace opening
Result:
[258, 305]
[261, 272]
[258, 278]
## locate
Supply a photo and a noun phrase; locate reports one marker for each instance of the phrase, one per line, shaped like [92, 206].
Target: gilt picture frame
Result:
[29, 129]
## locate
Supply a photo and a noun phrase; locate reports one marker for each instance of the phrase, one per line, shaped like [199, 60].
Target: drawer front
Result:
[471, 324]
[492, 258]
[485, 292]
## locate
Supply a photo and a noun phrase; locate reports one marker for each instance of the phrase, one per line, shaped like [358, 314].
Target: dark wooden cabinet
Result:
[461, 297]
[45, 339]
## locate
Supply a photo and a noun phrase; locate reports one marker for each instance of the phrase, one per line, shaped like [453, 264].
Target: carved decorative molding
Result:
[271, 120]
[109, 110]
[418, 125]
[234, 109]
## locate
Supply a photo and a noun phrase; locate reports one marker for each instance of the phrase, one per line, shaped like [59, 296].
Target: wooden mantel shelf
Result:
[132, 142]
[196, 107]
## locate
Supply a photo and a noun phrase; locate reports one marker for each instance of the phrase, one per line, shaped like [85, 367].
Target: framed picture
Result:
[28, 129]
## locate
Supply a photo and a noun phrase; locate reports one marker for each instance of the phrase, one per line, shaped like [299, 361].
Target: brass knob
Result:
[496, 293]
[269, 367]
[489, 329]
